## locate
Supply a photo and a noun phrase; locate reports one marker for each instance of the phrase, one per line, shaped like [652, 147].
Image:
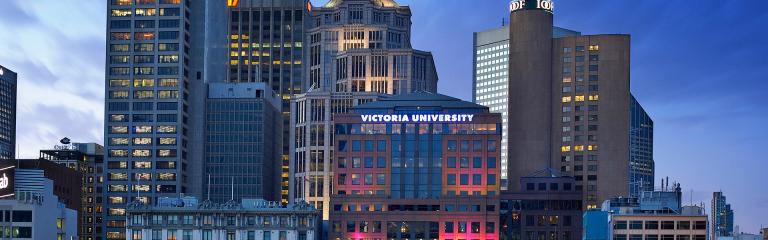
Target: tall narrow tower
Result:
[530, 91]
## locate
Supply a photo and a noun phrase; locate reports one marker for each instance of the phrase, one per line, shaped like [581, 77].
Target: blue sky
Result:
[698, 67]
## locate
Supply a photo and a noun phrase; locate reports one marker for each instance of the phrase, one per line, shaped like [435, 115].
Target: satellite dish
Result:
[65, 140]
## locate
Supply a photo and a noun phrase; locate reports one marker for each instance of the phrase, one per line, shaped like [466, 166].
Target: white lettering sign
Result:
[417, 117]
[547, 5]
[4, 182]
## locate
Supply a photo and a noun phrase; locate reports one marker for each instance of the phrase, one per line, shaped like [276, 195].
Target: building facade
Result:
[311, 124]
[266, 44]
[249, 219]
[147, 113]
[357, 51]
[722, 217]
[88, 160]
[7, 113]
[546, 207]
[491, 77]
[571, 102]
[641, 165]
[651, 215]
[416, 166]
[242, 155]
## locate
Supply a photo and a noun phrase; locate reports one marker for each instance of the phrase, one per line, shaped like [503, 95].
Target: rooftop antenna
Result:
[209, 188]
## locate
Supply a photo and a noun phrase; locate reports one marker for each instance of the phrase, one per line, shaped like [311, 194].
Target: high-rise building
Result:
[147, 115]
[491, 77]
[570, 105]
[416, 166]
[7, 113]
[266, 44]
[722, 217]
[243, 129]
[547, 205]
[88, 160]
[641, 165]
[356, 51]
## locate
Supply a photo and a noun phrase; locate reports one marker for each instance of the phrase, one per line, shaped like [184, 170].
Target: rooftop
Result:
[380, 3]
[424, 101]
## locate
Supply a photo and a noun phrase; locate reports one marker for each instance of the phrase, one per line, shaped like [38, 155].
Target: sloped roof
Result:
[380, 3]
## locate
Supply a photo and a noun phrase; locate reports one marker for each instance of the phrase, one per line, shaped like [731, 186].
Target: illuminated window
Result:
[119, 82]
[174, 2]
[580, 98]
[166, 129]
[143, 70]
[594, 47]
[118, 141]
[146, 12]
[117, 200]
[166, 176]
[168, 47]
[142, 165]
[142, 129]
[117, 188]
[119, 59]
[142, 176]
[144, 47]
[169, 82]
[143, 82]
[121, 12]
[141, 153]
[594, 97]
[119, 47]
[567, 79]
[579, 148]
[118, 129]
[567, 99]
[118, 176]
[167, 141]
[565, 148]
[166, 153]
[168, 58]
[144, 35]
[142, 141]
[143, 94]
[592, 147]
[118, 94]
[118, 118]
[141, 188]
[166, 94]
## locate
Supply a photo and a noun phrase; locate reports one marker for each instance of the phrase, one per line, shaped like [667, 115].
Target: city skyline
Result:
[61, 78]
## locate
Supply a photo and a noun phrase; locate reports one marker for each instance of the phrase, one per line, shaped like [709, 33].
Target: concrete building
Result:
[416, 166]
[248, 219]
[490, 77]
[722, 217]
[243, 128]
[356, 51]
[741, 236]
[764, 232]
[547, 207]
[40, 200]
[655, 215]
[88, 160]
[7, 113]
[266, 44]
[570, 106]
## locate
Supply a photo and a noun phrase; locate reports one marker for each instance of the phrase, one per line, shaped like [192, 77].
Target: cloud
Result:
[57, 47]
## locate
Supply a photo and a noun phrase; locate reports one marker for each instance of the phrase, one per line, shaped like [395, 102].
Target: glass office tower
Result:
[7, 113]
[146, 115]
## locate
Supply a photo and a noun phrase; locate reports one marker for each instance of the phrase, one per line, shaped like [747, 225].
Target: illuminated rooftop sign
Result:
[232, 3]
[414, 118]
[546, 5]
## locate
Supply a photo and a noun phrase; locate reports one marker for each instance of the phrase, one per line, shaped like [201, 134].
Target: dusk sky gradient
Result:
[700, 68]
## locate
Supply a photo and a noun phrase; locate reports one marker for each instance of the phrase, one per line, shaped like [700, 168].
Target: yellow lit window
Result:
[567, 79]
[142, 141]
[594, 47]
[169, 82]
[143, 94]
[142, 188]
[579, 148]
[580, 98]
[119, 83]
[297, 62]
[118, 141]
[143, 82]
[146, 12]
[122, 2]
[168, 94]
[297, 44]
[265, 54]
[255, 45]
[121, 12]
[235, 36]
[234, 45]
[591, 206]
[592, 147]
[166, 129]
[255, 53]
[167, 141]
[141, 153]
[143, 176]
[565, 148]
[244, 45]
[234, 62]
[594, 97]
[567, 99]
[276, 62]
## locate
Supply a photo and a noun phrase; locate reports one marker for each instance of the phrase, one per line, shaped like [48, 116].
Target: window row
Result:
[658, 237]
[143, 94]
[142, 153]
[143, 118]
[145, 82]
[142, 129]
[145, 12]
[141, 188]
[143, 2]
[142, 141]
[423, 128]
[580, 78]
[141, 165]
[664, 225]
[477, 179]
[144, 47]
[119, 59]
[116, 176]
[124, 71]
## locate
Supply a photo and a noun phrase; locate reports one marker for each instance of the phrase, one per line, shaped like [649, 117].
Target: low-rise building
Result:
[250, 219]
[29, 207]
[547, 207]
[654, 215]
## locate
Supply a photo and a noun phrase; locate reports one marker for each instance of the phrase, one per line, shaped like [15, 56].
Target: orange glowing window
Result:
[232, 3]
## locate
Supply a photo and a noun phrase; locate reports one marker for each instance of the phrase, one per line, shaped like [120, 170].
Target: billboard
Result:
[7, 186]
